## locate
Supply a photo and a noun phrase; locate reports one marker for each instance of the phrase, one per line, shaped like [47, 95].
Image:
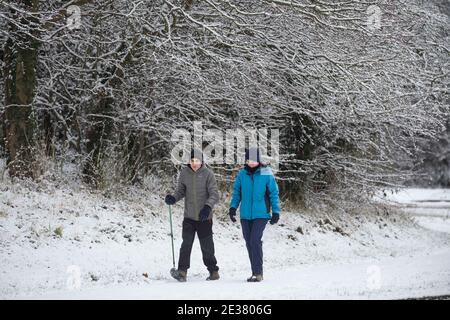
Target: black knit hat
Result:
[252, 154]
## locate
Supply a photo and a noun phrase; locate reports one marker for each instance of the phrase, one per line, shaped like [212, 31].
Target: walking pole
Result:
[171, 236]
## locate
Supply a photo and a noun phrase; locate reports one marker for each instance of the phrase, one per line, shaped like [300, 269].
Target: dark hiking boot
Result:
[179, 275]
[214, 275]
[255, 278]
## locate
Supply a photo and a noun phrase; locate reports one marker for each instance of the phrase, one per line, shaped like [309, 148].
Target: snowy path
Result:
[379, 256]
[392, 278]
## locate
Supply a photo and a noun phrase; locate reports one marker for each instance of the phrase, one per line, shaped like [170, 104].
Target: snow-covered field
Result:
[59, 242]
[430, 208]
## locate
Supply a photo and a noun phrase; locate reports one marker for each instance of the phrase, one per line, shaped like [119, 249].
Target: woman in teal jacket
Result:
[256, 191]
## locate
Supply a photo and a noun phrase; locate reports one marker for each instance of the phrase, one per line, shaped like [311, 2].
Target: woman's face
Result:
[252, 163]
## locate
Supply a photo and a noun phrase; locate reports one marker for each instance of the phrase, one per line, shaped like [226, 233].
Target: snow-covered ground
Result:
[430, 208]
[60, 242]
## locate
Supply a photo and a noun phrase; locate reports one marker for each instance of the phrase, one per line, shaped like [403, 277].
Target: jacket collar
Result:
[252, 170]
[199, 169]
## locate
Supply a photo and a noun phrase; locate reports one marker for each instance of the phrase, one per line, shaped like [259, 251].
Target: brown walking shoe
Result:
[179, 275]
[255, 278]
[214, 275]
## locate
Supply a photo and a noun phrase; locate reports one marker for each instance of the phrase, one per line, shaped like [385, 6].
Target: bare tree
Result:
[350, 97]
[20, 59]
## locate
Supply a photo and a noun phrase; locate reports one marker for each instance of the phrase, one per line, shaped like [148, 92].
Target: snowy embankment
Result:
[59, 242]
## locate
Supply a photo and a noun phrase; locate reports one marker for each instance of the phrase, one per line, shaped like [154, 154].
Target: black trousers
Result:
[205, 236]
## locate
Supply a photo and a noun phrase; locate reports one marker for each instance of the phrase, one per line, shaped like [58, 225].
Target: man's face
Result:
[252, 163]
[195, 164]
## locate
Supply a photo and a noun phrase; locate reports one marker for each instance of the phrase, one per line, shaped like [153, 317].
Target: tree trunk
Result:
[95, 136]
[20, 84]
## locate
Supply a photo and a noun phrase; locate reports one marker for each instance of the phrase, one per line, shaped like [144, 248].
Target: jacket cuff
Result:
[211, 206]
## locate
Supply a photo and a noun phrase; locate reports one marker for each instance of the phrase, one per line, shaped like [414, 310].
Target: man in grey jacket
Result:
[197, 185]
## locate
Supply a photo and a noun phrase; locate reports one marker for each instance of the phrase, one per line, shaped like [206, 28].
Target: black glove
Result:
[204, 213]
[170, 199]
[275, 218]
[232, 214]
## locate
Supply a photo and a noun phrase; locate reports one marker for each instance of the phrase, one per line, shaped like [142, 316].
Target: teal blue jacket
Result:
[256, 194]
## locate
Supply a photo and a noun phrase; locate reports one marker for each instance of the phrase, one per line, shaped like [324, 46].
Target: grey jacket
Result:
[199, 189]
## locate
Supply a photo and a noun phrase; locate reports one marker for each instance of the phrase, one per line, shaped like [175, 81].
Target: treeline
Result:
[355, 88]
